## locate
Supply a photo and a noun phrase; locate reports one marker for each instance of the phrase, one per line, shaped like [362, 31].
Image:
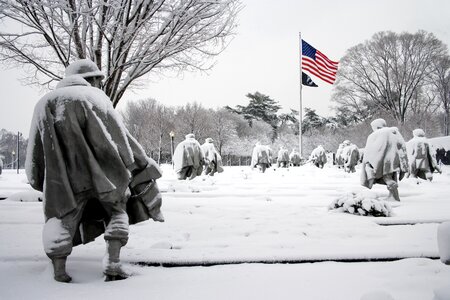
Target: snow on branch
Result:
[127, 39]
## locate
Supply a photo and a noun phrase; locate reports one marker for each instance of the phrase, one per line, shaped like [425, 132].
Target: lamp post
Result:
[18, 150]
[172, 135]
[13, 159]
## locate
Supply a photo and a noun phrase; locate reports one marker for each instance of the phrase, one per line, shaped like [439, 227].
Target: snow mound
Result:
[196, 185]
[361, 203]
[377, 295]
[442, 293]
[442, 142]
[28, 196]
[443, 237]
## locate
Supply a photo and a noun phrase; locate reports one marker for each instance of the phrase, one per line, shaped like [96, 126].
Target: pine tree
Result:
[261, 107]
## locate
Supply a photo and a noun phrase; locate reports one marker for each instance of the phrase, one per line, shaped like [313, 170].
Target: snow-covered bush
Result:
[361, 204]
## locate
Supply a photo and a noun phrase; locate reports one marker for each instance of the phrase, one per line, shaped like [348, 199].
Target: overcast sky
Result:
[264, 55]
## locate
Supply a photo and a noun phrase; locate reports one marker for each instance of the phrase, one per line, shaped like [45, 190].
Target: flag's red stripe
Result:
[335, 63]
[325, 63]
[324, 68]
[311, 65]
[313, 69]
[318, 74]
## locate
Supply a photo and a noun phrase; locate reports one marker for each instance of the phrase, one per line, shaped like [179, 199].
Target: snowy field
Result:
[244, 235]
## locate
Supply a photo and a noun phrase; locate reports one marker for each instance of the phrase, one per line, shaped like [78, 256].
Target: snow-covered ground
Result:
[244, 235]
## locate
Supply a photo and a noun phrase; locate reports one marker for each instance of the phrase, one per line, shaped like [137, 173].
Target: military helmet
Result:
[377, 124]
[85, 68]
[418, 132]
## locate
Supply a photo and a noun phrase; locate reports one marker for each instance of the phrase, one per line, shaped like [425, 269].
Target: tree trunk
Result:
[447, 122]
[159, 148]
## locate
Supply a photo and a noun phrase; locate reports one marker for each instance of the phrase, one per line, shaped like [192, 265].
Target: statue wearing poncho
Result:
[385, 158]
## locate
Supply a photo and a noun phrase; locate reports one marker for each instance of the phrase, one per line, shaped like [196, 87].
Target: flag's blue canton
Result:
[308, 50]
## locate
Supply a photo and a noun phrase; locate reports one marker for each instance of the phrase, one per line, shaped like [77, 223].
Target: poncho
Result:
[385, 152]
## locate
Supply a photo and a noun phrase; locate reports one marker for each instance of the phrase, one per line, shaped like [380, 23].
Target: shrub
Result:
[361, 204]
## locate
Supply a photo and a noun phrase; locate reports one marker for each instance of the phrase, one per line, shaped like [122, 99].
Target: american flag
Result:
[316, 63]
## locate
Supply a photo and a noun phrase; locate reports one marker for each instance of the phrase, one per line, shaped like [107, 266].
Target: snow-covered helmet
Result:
[84, 68]
[190, 136]
[377, 124]
[418, 132]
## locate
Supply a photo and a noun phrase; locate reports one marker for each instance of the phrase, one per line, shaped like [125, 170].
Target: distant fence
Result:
[236, 160]
[227, 159]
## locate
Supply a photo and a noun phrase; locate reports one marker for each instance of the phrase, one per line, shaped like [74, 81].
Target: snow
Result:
[442, 142]
[377, 295]
[12, 184]
[241, 223]
[444, 242]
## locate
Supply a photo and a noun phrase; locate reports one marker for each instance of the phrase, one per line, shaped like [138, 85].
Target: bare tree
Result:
[149, 122]
[126, 38]
[193, 118]
[441, 84]
[223, 129]
[388, 72]
[8, 145]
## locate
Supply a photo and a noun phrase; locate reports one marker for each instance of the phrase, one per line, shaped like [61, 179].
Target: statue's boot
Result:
[59, 269]
[111, 262]
[393, 195]
[392, 187]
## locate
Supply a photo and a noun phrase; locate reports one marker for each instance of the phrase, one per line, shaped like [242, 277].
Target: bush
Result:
[361, 204]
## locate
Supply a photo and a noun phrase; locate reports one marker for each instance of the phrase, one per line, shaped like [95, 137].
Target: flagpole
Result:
[300, 110]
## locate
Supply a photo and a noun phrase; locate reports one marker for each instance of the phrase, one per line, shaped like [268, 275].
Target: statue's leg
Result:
[181, 175]
[57, 237]
[212, 168]
[370, 175]
[116, 236]
[59, 269]
[205, 170]
[111, 262]
[392, 187]
[263, 167]
[429, 175]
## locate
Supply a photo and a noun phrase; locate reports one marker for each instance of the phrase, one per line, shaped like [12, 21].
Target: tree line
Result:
[405, 76]
[10, 149]
[236, 130]
[402, 77]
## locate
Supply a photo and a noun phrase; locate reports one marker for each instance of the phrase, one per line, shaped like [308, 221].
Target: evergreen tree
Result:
[261, 107]
[311, 120]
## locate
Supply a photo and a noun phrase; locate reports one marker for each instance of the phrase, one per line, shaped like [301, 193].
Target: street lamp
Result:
[172, 135]
[18, 150]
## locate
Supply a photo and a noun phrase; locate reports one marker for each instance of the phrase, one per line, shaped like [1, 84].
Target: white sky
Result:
[264, 54]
